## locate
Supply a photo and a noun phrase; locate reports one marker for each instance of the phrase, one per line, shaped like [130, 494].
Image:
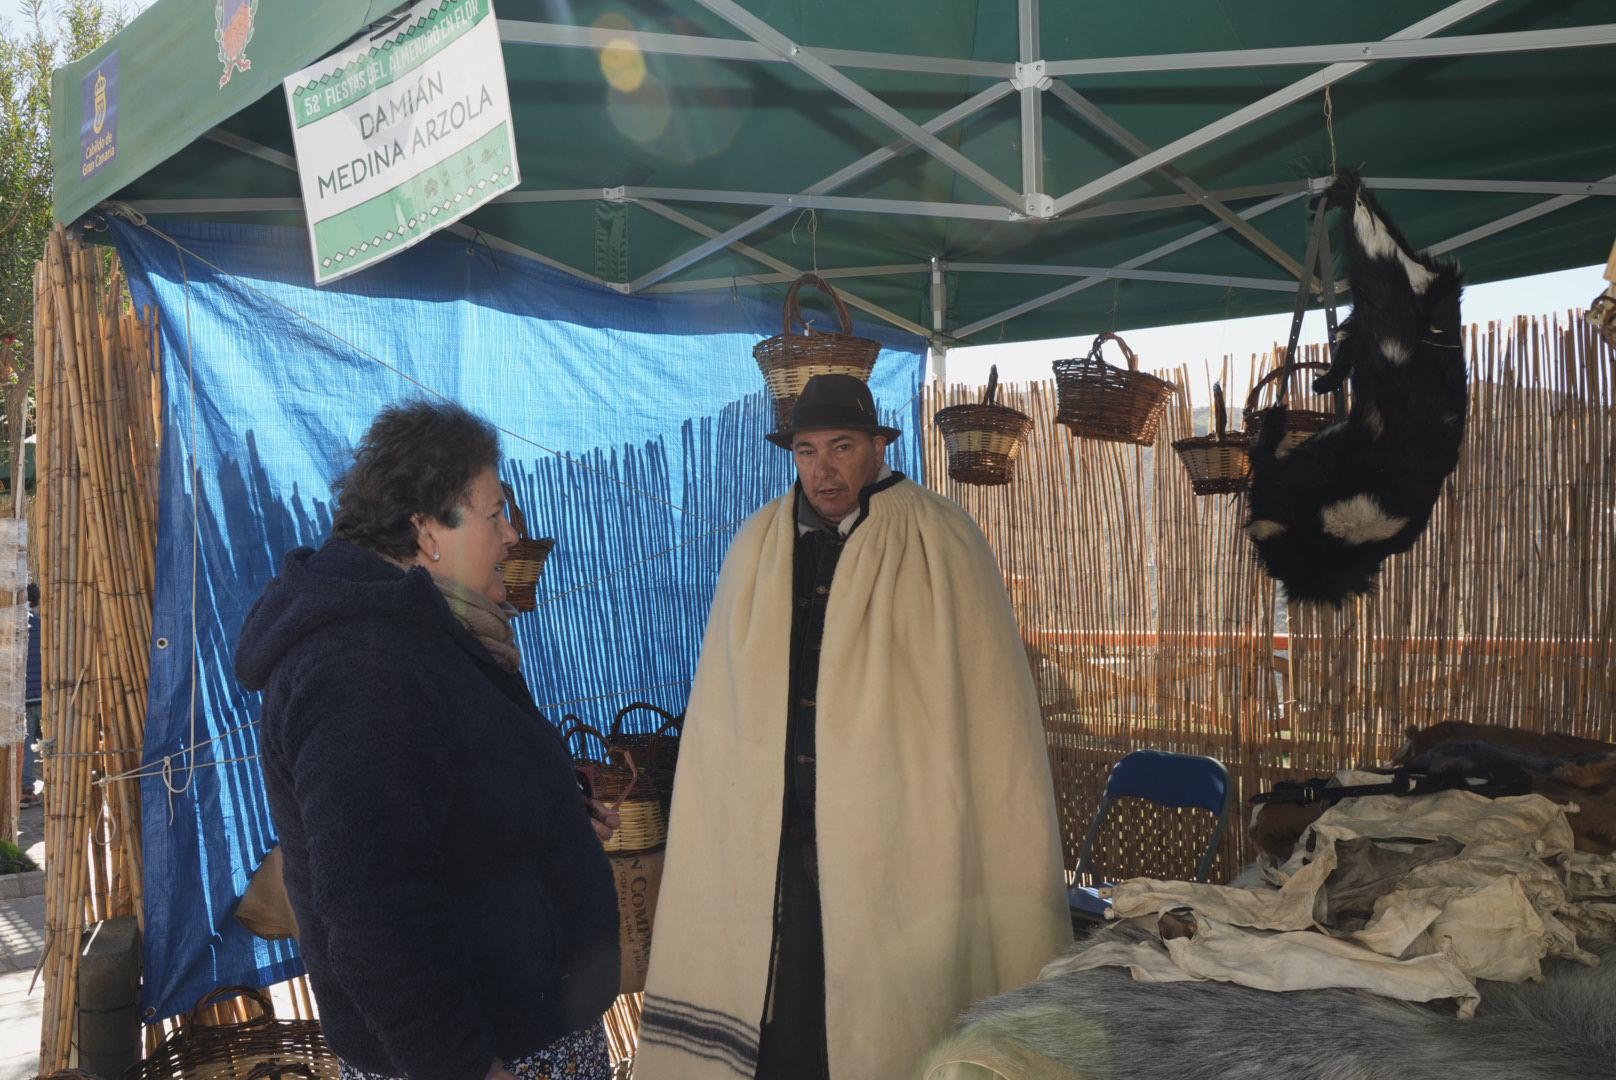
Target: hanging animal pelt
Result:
[1325, 515]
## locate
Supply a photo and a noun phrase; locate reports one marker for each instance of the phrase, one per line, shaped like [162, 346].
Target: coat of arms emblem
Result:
[233, 29]
[100, 120]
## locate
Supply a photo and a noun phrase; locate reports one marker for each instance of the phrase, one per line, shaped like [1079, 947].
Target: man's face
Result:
[834, 466]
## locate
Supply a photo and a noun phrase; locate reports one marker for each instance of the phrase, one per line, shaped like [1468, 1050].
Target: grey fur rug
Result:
[1101, 1025]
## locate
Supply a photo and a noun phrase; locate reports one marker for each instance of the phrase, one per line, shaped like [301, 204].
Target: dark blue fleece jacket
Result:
[453, 902]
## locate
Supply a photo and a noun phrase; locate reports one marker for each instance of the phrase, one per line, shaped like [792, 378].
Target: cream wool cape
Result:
[941, 872]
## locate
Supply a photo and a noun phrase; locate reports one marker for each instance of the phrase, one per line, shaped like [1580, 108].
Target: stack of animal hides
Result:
[1411, 898]
[1388, 921]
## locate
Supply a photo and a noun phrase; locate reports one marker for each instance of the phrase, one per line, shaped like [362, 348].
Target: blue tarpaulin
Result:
[632, 433]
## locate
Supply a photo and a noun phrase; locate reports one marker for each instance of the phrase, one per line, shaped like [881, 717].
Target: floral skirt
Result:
[579, 1056]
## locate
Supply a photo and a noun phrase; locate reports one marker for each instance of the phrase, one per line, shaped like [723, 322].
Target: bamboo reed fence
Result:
[1148, 623]
[92, 552]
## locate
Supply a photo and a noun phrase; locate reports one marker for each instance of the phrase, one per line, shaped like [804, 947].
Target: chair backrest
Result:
[1171, 780]
[1167, 779]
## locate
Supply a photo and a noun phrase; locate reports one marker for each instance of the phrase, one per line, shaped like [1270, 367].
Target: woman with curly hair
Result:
[454, 905]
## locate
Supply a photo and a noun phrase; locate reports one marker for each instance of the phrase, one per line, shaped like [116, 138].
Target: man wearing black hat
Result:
[846, 874]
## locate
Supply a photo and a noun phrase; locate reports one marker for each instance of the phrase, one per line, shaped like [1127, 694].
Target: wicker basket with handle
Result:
[1300, 424]
[524, 562]
[1099, 401]
[657, 751]
[207, 1051]
[789, 359]
[1218, 463]
[620, 783]
[983, 440]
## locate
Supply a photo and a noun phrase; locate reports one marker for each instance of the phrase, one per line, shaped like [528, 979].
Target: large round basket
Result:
[983, 441]
[620, 783]
[1300, 424]
[524, 562]
[1218, 463]
[1099, 401]
[789, 359]
[656, 751]
[204, 1051]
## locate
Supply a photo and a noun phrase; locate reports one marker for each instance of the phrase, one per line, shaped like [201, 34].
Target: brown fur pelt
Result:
[1562, 768]
[1548, 743]
[1276, 827]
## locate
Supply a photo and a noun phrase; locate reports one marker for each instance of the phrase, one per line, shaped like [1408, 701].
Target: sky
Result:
[16, 12]
[1200, 345]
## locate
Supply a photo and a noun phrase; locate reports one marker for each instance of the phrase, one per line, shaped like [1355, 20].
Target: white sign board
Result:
[404, 131]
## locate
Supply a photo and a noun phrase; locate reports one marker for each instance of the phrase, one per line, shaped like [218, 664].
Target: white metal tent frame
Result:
[1031, 78]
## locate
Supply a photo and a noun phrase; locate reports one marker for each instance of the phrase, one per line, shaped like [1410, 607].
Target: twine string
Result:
[1329, 128]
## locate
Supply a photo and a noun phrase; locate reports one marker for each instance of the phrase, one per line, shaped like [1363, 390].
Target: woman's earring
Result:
[436, 555]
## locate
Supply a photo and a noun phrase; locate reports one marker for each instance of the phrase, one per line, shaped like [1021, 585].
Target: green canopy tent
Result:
[975, 170]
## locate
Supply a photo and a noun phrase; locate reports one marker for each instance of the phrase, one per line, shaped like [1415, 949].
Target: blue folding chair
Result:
[1167, 779]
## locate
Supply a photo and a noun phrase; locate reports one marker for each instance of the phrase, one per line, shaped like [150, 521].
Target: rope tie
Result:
[1329, 128]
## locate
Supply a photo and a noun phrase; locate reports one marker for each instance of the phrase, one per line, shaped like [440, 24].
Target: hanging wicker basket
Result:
[791, 358]
[983, 440]
[1300, 424]
[204, 1051]
[524, 562]
[620, 783]
[656, 751]
[1219, 463]
[1099, 401]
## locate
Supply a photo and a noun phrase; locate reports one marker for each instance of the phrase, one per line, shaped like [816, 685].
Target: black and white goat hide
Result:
[1325, 515]
[1102, 1025]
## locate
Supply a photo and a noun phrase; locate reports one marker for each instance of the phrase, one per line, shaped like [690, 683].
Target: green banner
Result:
[180, 68]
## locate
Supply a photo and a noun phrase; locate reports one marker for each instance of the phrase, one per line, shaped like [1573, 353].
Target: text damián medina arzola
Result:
[422, 107]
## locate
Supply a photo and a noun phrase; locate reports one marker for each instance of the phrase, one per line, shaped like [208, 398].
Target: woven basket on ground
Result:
[983, 440]
[1219, 463]
[620, 783]
[203, 1051]
[789, 359]
[1300, 424]
[1098, 401]
[657, 752]
[524, 562]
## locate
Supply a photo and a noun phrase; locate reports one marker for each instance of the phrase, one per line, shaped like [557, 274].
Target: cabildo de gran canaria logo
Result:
[100, 120]
[233, 30]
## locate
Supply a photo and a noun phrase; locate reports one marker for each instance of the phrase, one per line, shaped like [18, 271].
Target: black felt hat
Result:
[833, 403]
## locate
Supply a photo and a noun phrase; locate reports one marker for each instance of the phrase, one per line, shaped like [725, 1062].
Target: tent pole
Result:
[1548, 206]
[1031, 82]
[1220, 281]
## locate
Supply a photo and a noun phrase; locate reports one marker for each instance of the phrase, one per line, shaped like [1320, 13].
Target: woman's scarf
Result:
[489, 623]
